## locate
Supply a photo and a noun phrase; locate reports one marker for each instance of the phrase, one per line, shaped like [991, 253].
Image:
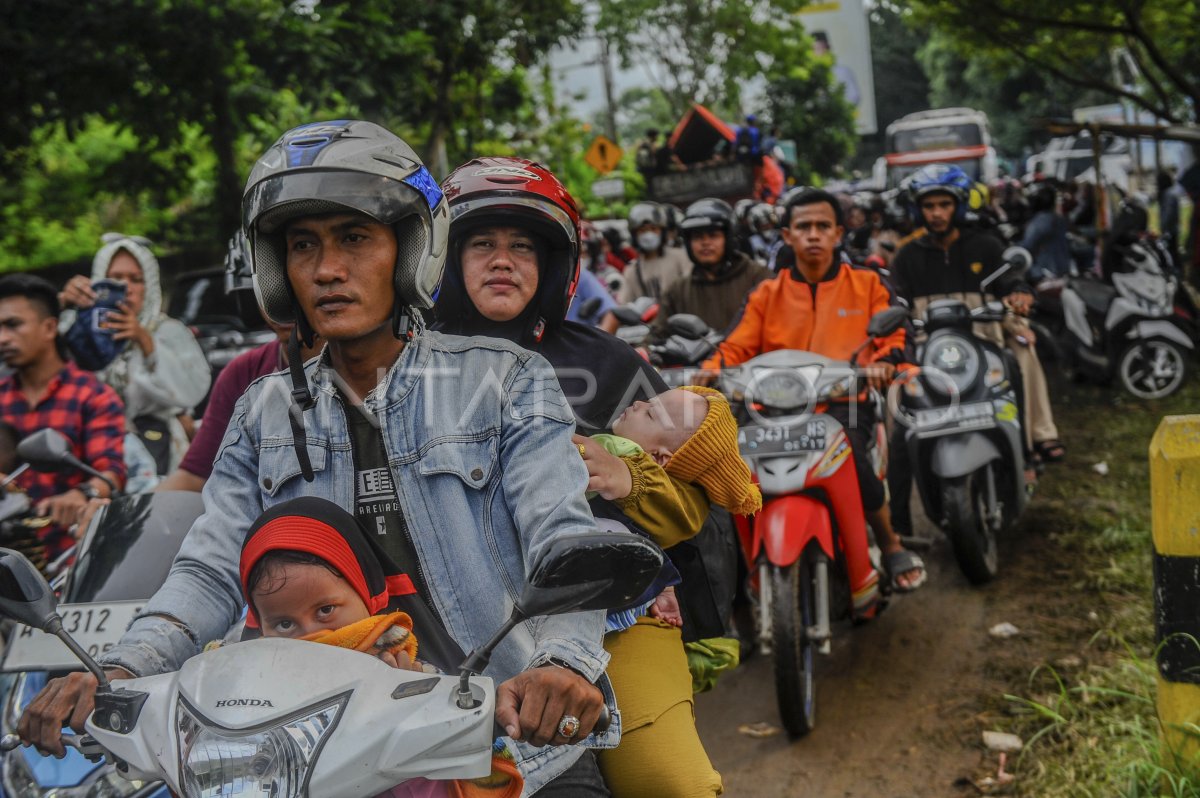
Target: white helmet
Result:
[338, 167]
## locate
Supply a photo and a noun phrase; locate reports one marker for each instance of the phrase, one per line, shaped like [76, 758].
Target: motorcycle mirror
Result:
[688, 325]
[1019, 259]
[599, 570]
[627, 315]
[588, 309]
[887, 321]
[25, 596]
[596, 571]
[47, 450]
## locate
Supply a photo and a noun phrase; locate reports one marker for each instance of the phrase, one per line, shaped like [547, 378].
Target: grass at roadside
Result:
[1090, 724]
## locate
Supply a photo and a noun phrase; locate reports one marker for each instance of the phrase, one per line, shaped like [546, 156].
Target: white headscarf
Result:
[139, 248]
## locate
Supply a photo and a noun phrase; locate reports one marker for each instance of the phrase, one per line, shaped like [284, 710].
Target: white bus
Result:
[959, 136]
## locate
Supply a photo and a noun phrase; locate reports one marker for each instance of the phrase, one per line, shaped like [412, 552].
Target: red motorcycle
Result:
[808, 548]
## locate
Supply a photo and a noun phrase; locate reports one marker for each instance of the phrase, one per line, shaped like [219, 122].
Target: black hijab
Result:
[600, 375]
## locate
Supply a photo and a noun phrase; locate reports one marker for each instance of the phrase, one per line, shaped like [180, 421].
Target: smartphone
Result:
[109, 295]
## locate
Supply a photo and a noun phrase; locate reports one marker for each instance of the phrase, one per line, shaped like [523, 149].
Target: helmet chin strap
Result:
[407, 322]
[302, 398]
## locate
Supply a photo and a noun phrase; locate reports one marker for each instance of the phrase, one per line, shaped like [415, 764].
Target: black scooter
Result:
[963, 430]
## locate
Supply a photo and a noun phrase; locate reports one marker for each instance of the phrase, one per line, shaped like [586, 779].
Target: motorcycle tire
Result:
[965, 506]
[793, 611]
[1137, 361]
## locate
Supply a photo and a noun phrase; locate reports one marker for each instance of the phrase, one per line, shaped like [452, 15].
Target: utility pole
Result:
[606, 67]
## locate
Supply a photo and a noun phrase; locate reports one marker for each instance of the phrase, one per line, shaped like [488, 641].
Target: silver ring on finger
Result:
[568, 727]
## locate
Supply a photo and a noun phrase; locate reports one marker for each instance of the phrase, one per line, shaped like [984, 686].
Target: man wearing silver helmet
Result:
[455, 453]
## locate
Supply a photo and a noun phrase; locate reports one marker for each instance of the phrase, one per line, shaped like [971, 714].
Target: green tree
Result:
[155, 67]
[1074, 43]
[1010, 91]
[809, 106]
[452, 73]
[643, 108]
[203, 88]
[701, 51]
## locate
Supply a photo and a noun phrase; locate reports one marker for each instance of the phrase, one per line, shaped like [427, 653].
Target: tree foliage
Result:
[1074, 43]
[810, 107]
[701, 51]
[1010, 91]
[202, 88]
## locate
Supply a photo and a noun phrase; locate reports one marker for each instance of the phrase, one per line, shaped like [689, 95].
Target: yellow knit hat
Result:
[710, 458]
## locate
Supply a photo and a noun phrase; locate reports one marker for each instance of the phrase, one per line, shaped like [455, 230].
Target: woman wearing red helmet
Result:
[511, 271]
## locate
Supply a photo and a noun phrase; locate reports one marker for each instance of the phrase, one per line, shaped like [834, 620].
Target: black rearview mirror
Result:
[588, 309]
[688, 325]
[627, 315]
[24, 595]
[26, 598]
[1019, 259]
[887, 321]
[596, 571]
[46, 450]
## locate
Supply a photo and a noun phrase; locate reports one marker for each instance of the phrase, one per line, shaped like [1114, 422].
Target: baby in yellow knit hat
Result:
[692, 434]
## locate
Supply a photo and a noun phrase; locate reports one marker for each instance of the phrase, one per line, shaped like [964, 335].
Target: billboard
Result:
[839, 29]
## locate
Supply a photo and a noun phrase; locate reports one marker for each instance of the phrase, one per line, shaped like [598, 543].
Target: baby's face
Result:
[295, 600]
[664, 423]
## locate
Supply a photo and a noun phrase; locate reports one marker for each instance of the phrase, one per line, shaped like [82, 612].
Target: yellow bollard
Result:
[1175, 506]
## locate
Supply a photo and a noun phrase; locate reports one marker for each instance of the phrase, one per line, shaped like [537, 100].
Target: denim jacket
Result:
[478, 436]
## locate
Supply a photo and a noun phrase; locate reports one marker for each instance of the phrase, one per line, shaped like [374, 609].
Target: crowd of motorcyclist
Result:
[464, 351]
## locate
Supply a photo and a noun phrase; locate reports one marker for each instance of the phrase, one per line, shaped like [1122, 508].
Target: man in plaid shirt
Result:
[45, 390]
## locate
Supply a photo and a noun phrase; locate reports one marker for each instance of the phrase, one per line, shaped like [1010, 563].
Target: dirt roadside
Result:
[902, 701]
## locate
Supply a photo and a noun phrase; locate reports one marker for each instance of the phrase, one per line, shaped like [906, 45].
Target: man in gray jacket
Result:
[455, 452]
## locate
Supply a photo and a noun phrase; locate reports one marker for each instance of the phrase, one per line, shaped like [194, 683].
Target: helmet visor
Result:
[290, 195]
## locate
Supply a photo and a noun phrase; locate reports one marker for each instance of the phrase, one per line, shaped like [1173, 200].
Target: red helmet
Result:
[519, 193]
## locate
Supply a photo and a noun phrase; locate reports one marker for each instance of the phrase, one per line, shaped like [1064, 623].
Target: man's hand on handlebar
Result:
[1019, 302]
[879, 375]
[67, 701]
[705, 377]
[531, 705]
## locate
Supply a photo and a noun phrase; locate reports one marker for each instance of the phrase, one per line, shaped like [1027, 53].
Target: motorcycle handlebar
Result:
[602, 724]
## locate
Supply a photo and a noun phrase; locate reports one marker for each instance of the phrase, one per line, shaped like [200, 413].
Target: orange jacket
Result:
[829, 317]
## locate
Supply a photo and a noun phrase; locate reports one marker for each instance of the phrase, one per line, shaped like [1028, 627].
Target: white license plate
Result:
[943, 420]
[96, 627]
[765, 440]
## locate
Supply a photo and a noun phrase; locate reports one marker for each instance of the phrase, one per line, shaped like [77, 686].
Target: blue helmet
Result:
[938, 178]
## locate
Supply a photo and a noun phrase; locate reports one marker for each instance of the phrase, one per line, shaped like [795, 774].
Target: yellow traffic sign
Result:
[604, 155]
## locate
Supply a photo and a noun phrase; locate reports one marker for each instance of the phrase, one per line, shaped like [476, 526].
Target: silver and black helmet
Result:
[338, 167]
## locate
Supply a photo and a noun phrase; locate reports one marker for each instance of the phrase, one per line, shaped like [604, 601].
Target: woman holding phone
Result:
[162, 371]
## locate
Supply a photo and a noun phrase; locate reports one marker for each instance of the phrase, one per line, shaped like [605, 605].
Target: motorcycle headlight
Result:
[275, 760]
[951, 363]
[786, 389]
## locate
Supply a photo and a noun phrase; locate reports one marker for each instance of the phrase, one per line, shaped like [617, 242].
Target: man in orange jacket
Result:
[820, 304]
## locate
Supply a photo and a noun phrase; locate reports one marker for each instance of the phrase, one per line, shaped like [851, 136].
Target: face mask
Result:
[649, 241]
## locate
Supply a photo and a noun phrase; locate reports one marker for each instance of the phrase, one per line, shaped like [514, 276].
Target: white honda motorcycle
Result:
[292, 719]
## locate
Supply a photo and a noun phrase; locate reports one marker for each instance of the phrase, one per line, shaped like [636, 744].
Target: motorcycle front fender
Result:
[1162, 329]
[958, 455]
[787, 524]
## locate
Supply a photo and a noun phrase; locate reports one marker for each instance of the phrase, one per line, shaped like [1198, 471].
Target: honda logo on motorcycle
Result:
[244, 702]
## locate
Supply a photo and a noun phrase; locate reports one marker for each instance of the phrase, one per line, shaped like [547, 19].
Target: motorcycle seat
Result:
[1096, 296]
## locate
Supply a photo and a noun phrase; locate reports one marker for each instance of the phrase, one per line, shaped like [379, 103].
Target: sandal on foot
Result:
[901, 562]
[1051, 451]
